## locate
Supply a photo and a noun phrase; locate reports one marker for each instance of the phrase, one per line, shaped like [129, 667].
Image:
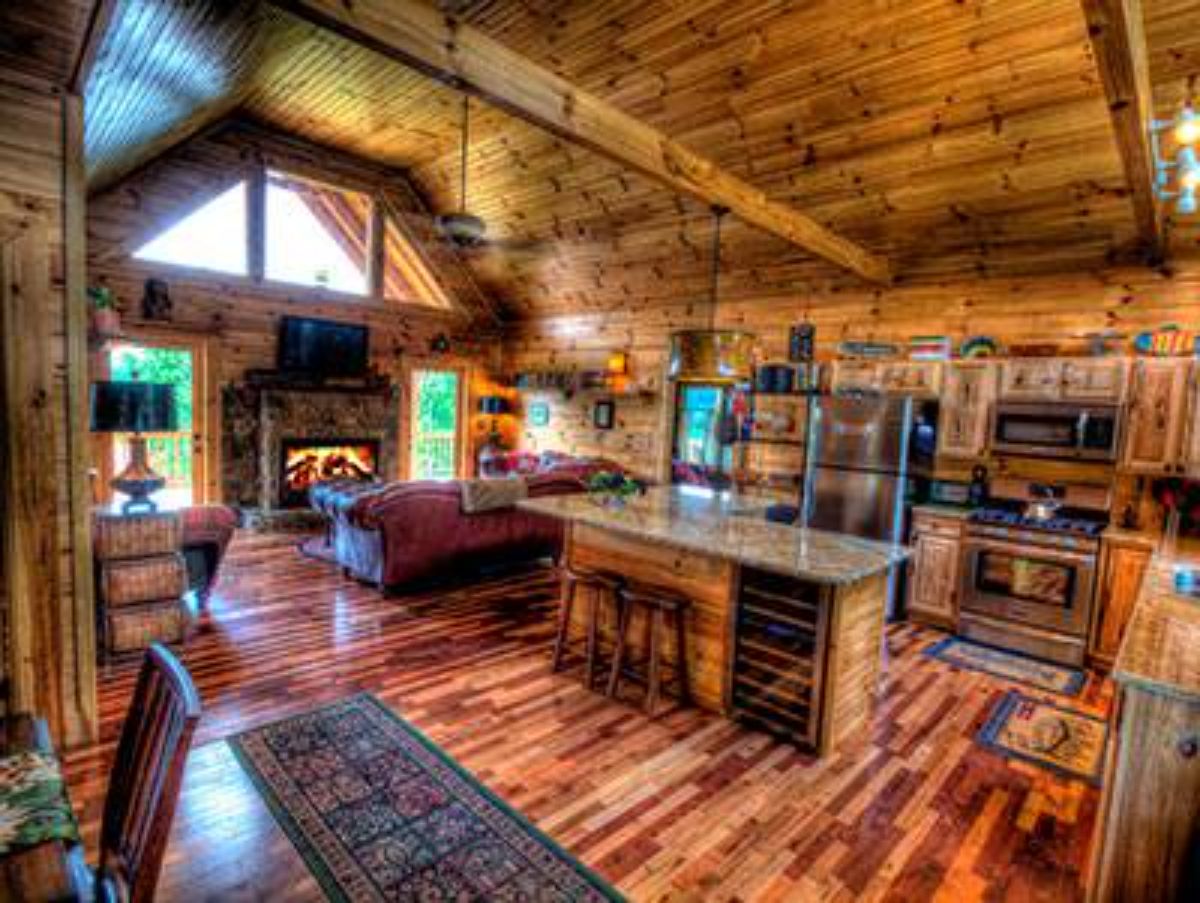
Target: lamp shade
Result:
[493, 404]
[129, 407]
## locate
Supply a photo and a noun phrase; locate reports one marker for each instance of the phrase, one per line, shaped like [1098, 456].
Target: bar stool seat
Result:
[659, 604]
[600, 585]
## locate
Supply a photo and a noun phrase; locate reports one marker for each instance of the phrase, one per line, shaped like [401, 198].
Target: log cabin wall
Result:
[46, 591]
[236, 320]
[1059, 309]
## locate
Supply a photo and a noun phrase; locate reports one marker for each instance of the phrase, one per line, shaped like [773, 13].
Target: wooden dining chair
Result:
[146, 777]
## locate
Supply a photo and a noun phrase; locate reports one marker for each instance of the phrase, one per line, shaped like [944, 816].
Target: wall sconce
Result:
[494, 406]
[618, 364]
[1185, 134]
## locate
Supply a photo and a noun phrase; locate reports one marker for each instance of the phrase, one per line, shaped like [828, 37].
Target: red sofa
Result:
[403, 533]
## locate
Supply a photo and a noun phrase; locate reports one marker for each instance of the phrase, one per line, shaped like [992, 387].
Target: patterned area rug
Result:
[380, 813]
[1009, 665]
[1068, 742]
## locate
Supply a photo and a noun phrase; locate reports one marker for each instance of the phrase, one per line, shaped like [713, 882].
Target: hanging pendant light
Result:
[712, 355]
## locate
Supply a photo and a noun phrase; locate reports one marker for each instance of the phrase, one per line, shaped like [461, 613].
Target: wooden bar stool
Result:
[600, 585]
[658, 604]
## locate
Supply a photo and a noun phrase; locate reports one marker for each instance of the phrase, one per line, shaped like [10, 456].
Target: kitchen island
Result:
[786, 626]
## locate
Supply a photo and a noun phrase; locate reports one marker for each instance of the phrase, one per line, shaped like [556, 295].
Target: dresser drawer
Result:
[136, 536]
[138, 580]
[136, 627]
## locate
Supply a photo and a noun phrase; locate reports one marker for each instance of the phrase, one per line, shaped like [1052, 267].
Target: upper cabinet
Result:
[917, 378]
[1095, 379]
[1031, 379]
[1101, 379]
[922, 379]
[856, 376]
[968, 390]
[1160, 405]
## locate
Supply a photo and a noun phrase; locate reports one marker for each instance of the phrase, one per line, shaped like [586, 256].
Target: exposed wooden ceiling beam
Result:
[89, 48]
[1116, 30]
[422, 37]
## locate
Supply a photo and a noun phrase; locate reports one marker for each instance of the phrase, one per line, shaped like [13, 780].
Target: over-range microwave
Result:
[1057, 430]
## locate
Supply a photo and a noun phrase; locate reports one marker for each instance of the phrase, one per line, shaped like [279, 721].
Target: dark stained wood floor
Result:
[683, 807]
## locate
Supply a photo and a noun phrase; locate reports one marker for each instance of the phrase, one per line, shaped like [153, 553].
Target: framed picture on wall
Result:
[604, 415]
[539, 413]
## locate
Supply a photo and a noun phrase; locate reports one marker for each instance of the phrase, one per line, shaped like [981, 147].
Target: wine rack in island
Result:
[805, 657]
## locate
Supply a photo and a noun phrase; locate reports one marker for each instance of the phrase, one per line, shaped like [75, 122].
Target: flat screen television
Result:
[322, 348]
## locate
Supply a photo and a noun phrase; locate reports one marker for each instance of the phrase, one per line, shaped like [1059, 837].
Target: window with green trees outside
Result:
[434, 448]
[170, 453]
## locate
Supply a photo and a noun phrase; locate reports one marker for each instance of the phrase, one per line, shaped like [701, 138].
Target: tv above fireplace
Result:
[322, 348]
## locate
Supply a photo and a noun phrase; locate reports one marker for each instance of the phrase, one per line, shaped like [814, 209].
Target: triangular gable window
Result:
[213, 237]
[316, 234]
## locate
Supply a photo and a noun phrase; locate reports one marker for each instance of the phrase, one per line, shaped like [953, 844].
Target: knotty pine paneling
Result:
[1059, 309]
[959, 139]
[239, 319]
[56, 648]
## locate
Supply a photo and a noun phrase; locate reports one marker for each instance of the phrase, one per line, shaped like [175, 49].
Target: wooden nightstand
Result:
[141, 579]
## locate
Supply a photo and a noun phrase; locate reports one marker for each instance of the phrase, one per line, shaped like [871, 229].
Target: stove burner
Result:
[1062, 523]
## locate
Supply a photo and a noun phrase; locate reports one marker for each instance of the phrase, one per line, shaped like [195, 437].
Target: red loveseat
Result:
[403, 533]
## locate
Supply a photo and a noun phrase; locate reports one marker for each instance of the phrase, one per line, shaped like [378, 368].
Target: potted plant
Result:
[613, 489]
[105, 318]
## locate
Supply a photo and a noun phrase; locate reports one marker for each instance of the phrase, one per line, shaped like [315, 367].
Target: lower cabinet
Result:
[1123, 563]
[935, 568]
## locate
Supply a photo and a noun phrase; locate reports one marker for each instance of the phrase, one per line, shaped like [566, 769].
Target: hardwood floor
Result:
[683, 807]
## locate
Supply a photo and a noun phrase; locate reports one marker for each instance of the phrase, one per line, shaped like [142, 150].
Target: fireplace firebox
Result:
[304, 462]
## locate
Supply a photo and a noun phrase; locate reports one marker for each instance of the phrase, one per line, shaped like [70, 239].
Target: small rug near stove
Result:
[1065, 741]
[381, 813]
[317, 548]
[1009, 665]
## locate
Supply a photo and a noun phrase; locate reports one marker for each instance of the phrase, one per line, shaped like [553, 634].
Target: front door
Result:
[173, 455]
[436, 424]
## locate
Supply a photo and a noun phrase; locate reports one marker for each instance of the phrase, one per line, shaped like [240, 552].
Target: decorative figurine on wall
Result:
[156, 300]
[604, 415]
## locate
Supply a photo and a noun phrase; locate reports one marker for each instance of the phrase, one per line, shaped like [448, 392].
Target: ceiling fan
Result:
[466, 231]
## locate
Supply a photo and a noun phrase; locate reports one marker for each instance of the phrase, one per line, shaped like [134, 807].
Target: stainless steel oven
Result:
[1061, 430]
[1029, 591]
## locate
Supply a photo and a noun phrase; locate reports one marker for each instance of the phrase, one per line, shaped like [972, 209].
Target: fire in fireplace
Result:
[309, 461]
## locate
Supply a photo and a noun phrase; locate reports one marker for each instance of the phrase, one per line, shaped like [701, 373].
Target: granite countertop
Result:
[733, 527]
[941, 509]
[1159, 651]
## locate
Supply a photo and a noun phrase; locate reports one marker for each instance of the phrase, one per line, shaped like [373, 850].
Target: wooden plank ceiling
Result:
[43, 38]
[954, 138]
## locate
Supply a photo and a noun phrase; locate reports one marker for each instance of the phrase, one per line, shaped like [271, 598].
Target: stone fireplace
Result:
[279, 436]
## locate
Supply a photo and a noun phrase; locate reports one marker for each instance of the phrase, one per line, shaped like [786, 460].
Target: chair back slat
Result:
[146, 777]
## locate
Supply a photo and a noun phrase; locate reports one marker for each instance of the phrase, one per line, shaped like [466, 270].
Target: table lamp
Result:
[134, 408]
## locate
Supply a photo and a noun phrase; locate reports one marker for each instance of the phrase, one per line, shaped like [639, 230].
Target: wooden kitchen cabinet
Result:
[1123, 563]
[1101, 379]
[1031, 379]
[935, 568]
[1190, 455]
[855, 376]
[1156, 416]
[917, 378]
[968, 392]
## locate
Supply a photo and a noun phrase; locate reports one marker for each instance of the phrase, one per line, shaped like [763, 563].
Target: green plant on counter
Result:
[614, 488]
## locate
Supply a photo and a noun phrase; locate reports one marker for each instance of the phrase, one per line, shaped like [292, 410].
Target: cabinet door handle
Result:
[1188, 747]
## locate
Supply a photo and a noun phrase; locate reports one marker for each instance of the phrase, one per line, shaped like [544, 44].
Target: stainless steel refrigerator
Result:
[864, 453]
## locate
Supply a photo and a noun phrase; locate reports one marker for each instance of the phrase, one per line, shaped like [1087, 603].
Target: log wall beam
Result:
[464, 57]
[1117, 33]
